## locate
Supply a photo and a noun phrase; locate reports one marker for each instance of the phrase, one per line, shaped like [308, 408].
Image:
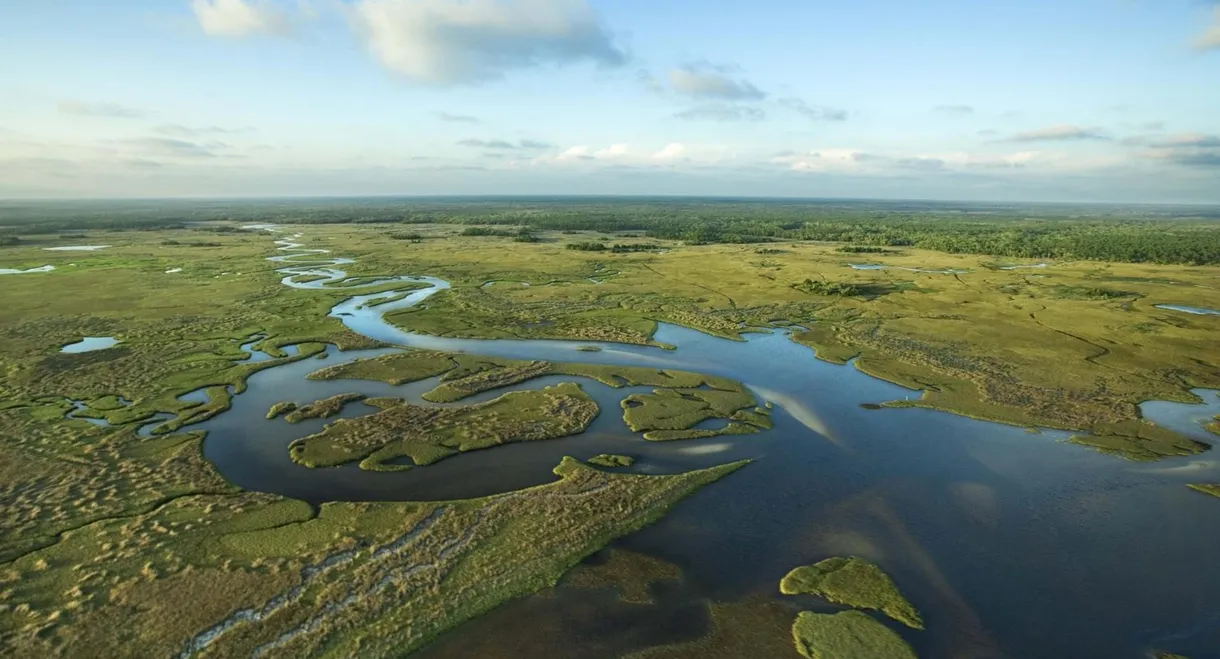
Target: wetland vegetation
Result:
[853, 582]
[113, 512]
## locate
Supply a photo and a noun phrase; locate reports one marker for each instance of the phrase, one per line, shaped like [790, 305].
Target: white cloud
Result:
[813, 112]
[240, 18]
[1060, 133]
[955, 109]
[457, 118]
[622, 155]
[178, 130]
[722, 112]
[1210, 39]
[104, 110]
[863, 162]
[464, 41]
[708, 81]
[671, 151]
[575, 153]
[614, 151]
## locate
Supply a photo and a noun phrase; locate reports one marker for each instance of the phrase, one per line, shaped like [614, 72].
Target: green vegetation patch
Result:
[428, 434]
[840, 289]
[1212, 489]
[395, 368]
[611, 460]
[1139, 441]
[352, 579]
[668, 414]
[853, 582]
[847, 635]
[1090, 293]
[755, 627]
[281, 408]
[631, 573]
[321, 409]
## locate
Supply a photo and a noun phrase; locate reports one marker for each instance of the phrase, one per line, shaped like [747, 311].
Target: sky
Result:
[1040, 100]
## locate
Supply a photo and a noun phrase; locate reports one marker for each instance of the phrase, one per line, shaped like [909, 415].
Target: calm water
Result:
[91, 343]
[15, 271]
[75, 248]
[1011, 543]
[1198, 311]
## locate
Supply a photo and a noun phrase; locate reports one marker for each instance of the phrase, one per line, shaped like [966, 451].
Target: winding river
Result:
[1011, 543]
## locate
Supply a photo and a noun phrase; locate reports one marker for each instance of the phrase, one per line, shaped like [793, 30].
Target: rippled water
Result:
[1012, 544]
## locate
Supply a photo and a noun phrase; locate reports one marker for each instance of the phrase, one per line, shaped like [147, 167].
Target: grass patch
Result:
[630, 573]
[852, 582]
[610, 460]
[671, 414]
[755, 627]
[428, 434]
[368, 579]
[847, 635]
[279, 409]
[321, 409]
[1212, 489]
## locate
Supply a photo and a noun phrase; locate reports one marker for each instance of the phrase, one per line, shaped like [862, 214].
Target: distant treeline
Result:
[1157, 234]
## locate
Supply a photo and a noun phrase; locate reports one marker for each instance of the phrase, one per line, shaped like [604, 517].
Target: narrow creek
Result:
[1011, 543]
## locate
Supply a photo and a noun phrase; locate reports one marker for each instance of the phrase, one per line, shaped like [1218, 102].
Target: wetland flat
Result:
[356, 414]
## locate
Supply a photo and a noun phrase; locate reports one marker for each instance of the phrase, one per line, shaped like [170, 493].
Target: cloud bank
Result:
[709, 81]
[240, 18]
[1060, 133]
[446, 42]
[103, 110]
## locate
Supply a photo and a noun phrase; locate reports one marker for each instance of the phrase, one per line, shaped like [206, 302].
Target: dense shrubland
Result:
[1156, 234]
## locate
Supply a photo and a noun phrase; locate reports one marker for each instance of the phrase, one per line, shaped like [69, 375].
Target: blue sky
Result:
[1089, 100]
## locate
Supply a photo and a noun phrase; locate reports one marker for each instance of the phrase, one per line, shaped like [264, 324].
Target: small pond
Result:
[91, 343]
[1198, 311]
[878, 266]
[75, 248]
[14, 271]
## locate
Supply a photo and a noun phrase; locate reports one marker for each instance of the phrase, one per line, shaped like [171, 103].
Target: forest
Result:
[1187, 235]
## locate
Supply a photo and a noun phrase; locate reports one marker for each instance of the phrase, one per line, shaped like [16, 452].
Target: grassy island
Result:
[853, 582]
[429, 434]
[847, 635]
[610, 460]
[1212, 489]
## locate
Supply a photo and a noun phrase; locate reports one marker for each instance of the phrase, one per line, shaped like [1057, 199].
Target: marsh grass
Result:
[630, 573]
[847, 635]
[372, 579]
[610, 460]
[1212, 489]
[754, 627]
[321, 409]
[853, 582]
[429, 434]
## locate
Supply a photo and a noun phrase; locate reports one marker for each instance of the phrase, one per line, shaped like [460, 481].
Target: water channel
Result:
[1011, 543]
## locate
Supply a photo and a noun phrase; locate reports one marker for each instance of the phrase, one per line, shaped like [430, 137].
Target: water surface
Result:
[14, 271]
[1011, 543]
[91, 343]
[75, 248]
[1198, 311]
